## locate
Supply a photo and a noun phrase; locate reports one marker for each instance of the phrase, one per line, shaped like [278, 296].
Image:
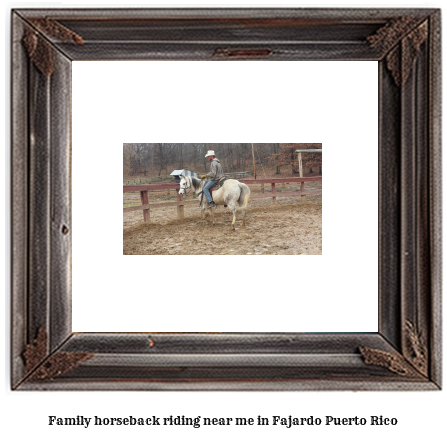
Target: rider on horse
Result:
[216, 172]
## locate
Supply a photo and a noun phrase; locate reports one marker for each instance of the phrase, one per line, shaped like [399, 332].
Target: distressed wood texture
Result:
[405, 353]
[19, 197]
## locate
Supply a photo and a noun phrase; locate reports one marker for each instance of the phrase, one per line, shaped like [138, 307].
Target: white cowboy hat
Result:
[210, 153]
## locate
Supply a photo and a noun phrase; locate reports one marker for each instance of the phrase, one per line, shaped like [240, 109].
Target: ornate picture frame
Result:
[405, 353]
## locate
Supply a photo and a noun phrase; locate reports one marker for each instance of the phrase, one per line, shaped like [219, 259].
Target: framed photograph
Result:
[166, 183]
[190, 339]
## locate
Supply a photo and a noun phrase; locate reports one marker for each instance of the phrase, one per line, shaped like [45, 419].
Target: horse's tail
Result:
[244, 196]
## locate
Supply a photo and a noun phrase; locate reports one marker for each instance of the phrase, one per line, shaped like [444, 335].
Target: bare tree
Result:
[159, 158]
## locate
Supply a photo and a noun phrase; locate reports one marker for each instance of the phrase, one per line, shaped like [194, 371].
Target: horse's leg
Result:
[243, 217]
[212, 214]
[234, 218]
[233, 207]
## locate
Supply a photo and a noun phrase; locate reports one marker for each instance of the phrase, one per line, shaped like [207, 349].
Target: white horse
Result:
[233, 193]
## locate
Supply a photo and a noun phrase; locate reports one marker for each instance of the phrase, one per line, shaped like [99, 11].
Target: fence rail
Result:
[237, 174]
[168, 179]
[180, 203]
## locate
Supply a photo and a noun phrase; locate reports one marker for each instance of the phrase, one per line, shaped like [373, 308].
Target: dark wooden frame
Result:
[405, 354]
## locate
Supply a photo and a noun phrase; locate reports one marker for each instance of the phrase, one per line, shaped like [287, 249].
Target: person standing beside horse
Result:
[215, 173]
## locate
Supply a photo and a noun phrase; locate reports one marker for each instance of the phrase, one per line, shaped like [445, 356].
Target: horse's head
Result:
[185, 183]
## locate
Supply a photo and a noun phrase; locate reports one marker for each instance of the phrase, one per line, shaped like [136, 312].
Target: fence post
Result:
[145, 200]
[300, 164]
[274, 191]
[180, 208]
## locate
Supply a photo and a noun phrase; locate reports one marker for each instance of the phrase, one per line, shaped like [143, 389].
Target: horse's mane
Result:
[195, 182]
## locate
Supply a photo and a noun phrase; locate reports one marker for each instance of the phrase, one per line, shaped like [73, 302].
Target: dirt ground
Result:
[291, 227]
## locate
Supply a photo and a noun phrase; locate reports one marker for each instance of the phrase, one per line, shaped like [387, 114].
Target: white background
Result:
[419, 414]
[335, 103]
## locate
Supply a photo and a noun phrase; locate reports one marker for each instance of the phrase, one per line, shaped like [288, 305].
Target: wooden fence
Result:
[180, 202]
[167, 179]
